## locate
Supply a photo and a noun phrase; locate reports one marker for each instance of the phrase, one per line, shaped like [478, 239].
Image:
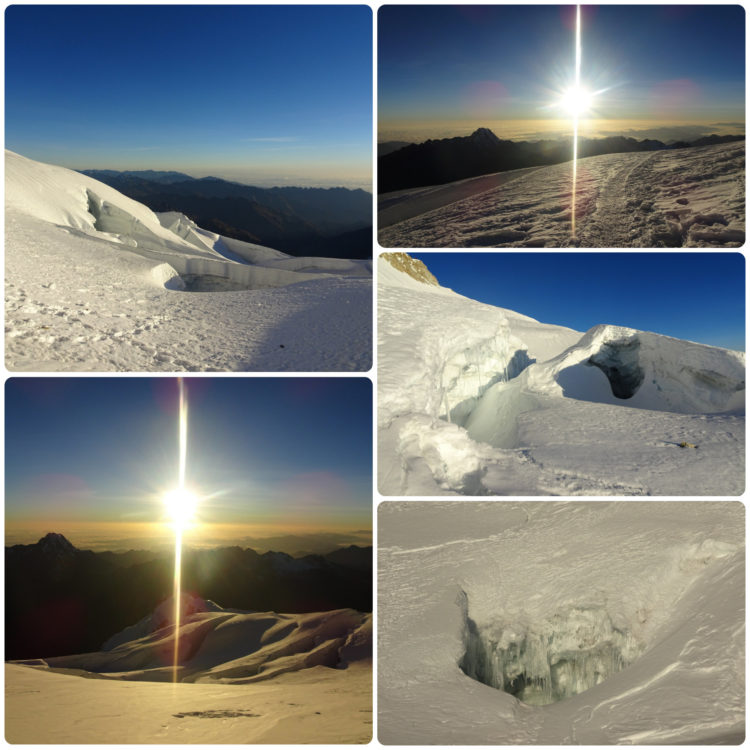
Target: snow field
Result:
[267, 677]
[693, 197]
[562, 590]
[96, 281]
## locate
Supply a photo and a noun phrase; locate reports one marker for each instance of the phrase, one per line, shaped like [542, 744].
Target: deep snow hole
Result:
[618, 360]
[212, 283]
[548, 661]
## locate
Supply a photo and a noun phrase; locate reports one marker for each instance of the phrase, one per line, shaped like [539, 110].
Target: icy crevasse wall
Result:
[545, 662]
[467, 374]
[647, 371]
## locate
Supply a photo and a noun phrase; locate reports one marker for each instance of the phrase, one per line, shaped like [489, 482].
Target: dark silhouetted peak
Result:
[484, 136]
[56, 544]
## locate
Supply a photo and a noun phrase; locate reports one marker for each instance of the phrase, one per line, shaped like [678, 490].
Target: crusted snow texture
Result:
[475, 399]
[692, 197]
[560, 594]
[96, 281]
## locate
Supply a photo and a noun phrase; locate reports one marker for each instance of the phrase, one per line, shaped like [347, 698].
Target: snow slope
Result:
[475, 399]
[693, 197]
[553, 590]
[97, 281]
[267, 677]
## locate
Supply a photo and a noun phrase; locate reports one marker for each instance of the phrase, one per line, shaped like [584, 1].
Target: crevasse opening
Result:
[544, 662]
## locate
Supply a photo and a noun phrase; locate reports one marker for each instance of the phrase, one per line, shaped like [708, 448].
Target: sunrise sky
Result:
[269, 457]
[668, 72]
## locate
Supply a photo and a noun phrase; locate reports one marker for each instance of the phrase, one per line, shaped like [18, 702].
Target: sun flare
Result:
[181, 505]
[576, 101]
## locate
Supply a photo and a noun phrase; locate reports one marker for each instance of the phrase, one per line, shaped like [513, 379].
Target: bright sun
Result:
[181, 505]
[576, 101]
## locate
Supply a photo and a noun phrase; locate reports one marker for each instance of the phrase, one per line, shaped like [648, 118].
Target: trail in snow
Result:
[692, 197]
[96, 281]
[479, 400]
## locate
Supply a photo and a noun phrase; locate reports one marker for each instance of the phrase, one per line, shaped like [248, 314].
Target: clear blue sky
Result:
[226, 90]
[288, 452]
[662, 64]
[694, 296]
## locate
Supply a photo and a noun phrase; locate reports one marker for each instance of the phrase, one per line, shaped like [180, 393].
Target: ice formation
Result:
[561, 656]
[96, 281]
[561, 623]
[475, 399]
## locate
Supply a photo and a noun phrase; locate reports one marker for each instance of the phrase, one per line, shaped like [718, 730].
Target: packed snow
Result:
[262, 677]
[692, 197]
[554, 623]
[479, 400]
[96, 281]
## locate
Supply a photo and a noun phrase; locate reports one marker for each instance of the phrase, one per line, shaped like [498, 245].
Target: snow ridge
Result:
[96, 281]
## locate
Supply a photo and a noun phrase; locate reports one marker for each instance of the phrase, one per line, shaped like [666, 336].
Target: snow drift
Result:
[561, 623]
[267, 677]
[216, 645]
[475, 399]
[92, 282]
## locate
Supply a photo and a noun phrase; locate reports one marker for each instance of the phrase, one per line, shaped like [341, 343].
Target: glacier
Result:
[561, 622]
[480, 400]
[96, 281]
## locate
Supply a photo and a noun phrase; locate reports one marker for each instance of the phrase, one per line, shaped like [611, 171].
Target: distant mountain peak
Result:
[55, 541]
[484, 135]
[56, 547]
[411, 267]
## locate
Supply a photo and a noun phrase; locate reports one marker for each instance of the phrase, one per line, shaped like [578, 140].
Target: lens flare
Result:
[181, 505]
[577, 99]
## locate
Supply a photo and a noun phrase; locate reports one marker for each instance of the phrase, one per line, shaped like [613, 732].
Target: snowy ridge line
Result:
[95, 281]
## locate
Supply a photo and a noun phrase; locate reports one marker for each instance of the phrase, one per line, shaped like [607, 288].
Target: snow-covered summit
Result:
[476, 399]
[96, 281]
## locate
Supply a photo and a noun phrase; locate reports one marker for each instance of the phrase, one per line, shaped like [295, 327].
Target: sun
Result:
[181, 505]
[576, 101]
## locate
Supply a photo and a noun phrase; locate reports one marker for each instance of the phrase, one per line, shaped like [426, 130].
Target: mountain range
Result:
[63, 600]
[332, 222]
[436, 162]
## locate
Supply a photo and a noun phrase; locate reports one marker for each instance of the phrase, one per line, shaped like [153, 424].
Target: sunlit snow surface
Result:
[478, 400]
[97, 281]
[662, 582]
[243, 678]
[693, 197]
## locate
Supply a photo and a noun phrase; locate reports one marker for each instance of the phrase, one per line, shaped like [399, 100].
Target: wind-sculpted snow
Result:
[244, 677]
[94, 281]
[626, 619]
[693, 197]
[224, 646]
[479, 400]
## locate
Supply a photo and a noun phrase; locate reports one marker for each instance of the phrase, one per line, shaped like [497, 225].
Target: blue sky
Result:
[694, 296]
[284, 454]
[282, 93]
[444, 69]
